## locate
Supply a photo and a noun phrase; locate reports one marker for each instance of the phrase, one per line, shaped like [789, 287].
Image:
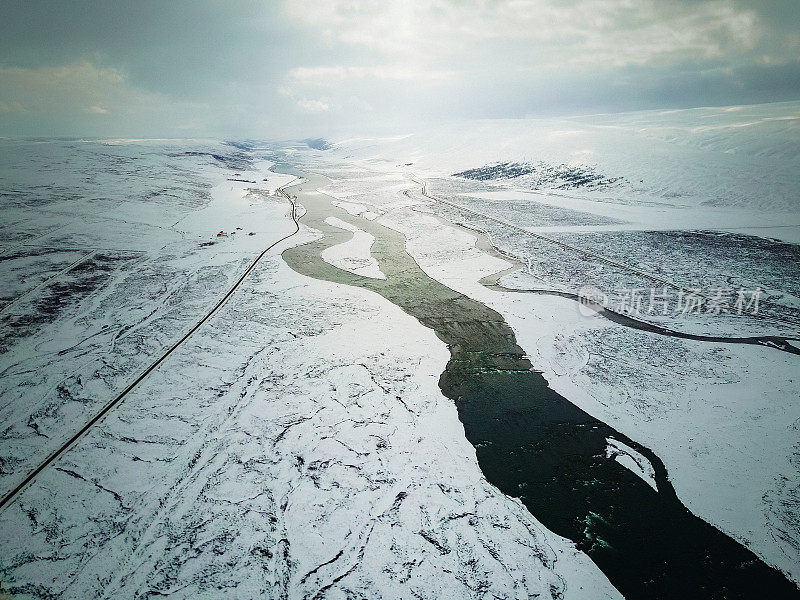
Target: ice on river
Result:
[353, 255]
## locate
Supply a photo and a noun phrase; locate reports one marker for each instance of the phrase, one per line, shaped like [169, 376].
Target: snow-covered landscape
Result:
[409, 299]
[300, 443]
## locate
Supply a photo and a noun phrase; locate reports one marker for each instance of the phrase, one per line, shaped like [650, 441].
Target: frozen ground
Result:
[119, 257]
[722, 416]
[712, 412]
[296, 446]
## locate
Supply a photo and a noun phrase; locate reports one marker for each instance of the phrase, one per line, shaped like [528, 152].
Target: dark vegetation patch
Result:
[60, 296]
[317, 143]
[22, 269]
[562, 177]
[237, 161]
[245, 145]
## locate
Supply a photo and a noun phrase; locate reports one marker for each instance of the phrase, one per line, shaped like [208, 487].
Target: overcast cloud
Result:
[306, 67]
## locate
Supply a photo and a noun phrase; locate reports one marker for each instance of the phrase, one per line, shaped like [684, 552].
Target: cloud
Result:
[6, 107]
[313, 106]
[67, 99]
[429, 59]
[545, 34]
[329, 74]
[311, 67]
[66, 88]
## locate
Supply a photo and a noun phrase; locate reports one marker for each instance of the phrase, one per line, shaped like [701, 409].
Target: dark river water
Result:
[535, 445]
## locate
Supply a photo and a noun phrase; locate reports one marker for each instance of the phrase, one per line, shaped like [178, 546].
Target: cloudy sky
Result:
[267, 68]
